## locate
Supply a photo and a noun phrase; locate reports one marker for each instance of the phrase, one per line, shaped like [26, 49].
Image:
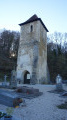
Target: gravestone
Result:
[13, 82]
[59, 86]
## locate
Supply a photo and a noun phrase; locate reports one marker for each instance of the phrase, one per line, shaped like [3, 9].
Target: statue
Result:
[59, 83]
[58, 79]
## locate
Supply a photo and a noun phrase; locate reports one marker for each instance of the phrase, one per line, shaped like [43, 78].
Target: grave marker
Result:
[13, 82]
[59, 83]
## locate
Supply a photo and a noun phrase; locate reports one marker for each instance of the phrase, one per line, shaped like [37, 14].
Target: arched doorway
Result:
[27, 78]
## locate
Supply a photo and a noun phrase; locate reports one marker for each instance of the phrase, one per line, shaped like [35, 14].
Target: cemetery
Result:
[33, 101]
[31, 106]
[29, 94]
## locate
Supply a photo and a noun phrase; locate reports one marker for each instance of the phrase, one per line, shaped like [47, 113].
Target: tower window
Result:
[31, 28]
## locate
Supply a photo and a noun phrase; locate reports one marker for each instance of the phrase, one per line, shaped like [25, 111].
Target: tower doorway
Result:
[27, 78]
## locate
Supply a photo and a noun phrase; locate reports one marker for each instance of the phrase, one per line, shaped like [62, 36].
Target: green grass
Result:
[63, 106]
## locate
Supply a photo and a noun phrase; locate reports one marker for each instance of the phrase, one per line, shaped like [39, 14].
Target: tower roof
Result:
[32, 19]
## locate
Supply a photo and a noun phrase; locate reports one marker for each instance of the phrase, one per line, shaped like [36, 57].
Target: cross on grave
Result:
[4, 83]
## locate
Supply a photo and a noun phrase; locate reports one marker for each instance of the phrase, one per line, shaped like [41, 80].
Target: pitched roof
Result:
[32, 19]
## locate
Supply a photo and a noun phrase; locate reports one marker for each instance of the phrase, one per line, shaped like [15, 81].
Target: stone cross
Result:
[5, 76]
[4, 83]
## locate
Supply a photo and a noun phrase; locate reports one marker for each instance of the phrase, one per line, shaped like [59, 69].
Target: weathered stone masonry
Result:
[32, 53]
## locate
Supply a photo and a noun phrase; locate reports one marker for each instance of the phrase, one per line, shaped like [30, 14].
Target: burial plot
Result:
[28, 92]
[10, 98]
[7, 98]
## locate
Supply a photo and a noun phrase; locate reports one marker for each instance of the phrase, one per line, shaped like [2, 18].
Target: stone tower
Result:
[32, 53]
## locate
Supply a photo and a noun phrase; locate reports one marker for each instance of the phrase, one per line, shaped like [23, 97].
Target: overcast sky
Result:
[52, 12]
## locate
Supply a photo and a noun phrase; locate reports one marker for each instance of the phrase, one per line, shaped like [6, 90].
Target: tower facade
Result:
[32, 53]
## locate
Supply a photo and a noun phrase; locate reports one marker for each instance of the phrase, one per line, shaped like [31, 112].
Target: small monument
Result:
[13, 82]
[59, 83]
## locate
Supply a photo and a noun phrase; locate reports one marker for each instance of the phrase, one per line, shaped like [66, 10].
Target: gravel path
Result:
[42, 107]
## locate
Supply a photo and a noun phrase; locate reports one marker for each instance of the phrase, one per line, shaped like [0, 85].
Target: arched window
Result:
[31, 28]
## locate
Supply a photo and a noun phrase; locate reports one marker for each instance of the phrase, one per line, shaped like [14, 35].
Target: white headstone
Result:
[59, 83]
[58, 79]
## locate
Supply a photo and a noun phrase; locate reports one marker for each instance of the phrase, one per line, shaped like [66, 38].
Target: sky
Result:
[52, 12]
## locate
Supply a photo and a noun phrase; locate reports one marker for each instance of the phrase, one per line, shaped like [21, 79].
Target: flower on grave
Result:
[27, 92]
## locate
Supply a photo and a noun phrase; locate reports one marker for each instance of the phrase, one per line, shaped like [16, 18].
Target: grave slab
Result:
[7, 97]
